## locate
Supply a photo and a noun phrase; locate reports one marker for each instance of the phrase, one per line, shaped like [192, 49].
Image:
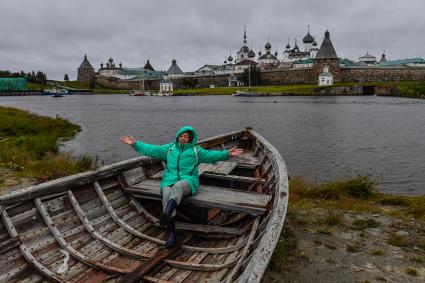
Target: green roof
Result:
[403, 62]
[306, 61]
[146, 73]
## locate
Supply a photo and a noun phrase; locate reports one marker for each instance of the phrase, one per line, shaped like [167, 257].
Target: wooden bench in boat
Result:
[209, 197]
[220, 170]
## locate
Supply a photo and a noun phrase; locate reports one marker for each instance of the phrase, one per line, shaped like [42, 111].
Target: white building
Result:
[296, 54]
[326, 78]
[243, 53]
[368, 59]
[166, 86]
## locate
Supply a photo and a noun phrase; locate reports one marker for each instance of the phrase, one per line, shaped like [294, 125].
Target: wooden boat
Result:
[102, 226]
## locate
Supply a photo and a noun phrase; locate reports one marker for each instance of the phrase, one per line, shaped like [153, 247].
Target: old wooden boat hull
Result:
[102, 226]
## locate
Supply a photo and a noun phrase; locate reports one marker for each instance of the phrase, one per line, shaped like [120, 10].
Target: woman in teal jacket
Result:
[181, 177]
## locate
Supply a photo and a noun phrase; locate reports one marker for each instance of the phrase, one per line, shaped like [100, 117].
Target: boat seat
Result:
[208, 197]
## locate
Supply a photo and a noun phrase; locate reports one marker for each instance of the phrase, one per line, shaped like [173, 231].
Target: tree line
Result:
[32, 77]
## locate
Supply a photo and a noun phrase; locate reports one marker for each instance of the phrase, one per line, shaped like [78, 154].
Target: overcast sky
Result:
[54, 35]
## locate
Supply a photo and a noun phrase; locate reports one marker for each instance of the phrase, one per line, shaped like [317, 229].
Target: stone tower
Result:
[327, 56]
[85, 71]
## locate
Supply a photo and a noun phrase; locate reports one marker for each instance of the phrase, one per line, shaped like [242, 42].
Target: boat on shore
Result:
[102, 226]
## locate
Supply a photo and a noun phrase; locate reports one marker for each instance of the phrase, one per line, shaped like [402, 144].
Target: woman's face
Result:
[184, 138]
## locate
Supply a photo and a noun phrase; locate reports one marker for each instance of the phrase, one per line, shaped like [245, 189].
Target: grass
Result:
[413, 89]
[411, 271]
[361, 224]
[358, 194]
[398, 241]
[285, 251]
[31, 145]
[378, 252]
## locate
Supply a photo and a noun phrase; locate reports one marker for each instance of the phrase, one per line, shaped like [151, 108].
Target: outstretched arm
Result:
[212, 156]
[151, 150]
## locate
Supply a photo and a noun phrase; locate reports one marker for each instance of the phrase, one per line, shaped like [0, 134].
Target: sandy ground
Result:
[329, 250]
[10, 182]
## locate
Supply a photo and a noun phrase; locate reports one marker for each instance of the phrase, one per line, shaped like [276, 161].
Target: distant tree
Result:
[66, 78]
[92, 83]
[33, 77]
[22, 74]
[189, 82]
[41, 78]
[255, 76]
[5, 74]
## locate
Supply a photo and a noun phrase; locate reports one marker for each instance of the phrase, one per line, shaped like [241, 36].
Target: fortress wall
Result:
[382, 74]
[289, 76]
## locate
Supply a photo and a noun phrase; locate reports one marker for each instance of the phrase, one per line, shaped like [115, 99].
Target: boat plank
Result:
[211, 197]
[235, 178]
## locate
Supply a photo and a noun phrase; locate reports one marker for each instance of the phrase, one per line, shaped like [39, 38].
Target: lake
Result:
[320, 138]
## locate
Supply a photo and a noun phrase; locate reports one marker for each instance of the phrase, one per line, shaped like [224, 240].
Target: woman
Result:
[180, 178]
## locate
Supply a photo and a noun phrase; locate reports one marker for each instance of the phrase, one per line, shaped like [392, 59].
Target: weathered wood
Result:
[66, 183]
[207, 229]
[9, 244]
[222, 250]
[235, 178]
[67, 247]
[200, 266]
[83, 218]
[120, 222]
[25, 252]
[138, 273]
[245, 250]
[210, 197]
[254, 270]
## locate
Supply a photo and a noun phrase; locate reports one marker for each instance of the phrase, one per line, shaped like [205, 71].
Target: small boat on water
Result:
[55, 92]
[102, 226]
[137, 93]
[247, 93]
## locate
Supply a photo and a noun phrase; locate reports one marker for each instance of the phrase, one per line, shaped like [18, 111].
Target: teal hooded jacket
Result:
[181, 159]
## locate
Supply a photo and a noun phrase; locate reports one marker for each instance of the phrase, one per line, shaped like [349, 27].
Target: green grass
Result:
[411, 89]
[411, 271]
[361, 224]
[359, 194]
[30, 146]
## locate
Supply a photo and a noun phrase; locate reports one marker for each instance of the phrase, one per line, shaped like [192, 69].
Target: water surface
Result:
[321, 138]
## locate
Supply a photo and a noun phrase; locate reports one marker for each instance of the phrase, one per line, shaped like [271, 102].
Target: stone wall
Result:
[85, 74]
[374, 74]
[289, 76]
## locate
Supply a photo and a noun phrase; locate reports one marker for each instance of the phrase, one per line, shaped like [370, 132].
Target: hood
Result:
[188, 128]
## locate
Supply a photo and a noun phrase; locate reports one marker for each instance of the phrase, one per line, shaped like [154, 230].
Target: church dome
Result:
[288, 46]
[230, 59]
[251, 54]
[315, 43]
[308, 38]
[244, 49]
[268, 45]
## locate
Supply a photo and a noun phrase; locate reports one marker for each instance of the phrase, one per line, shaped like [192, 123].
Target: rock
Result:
[402, 233]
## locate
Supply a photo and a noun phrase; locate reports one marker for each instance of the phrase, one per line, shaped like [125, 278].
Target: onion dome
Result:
[314, 43]
[268, 45]
[259, 52]
[287, 45]
[308, 38]
[120, 64]
[275, 54]
[101, 65]
[225, 61]
[111, 60]
[251, 54]
[230, 59]
[244, 49]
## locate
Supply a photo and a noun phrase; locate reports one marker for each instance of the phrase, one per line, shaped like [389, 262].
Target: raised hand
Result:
[235, 151]
[128, 139]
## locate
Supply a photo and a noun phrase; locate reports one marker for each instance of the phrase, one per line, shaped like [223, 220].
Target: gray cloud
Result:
[53, 35]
